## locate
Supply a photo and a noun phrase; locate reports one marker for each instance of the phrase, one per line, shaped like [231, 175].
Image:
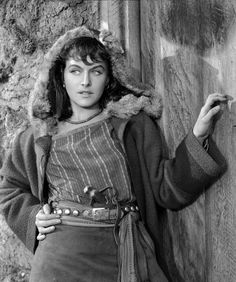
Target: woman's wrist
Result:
[203, 140]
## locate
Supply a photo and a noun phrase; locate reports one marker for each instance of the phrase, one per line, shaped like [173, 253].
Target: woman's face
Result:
[85, 83]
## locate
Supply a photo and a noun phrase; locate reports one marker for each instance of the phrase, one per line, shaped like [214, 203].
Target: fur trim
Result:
[131, 105]
[127, 106]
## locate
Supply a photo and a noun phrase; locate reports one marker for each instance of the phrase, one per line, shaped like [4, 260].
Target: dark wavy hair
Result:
[80, 48]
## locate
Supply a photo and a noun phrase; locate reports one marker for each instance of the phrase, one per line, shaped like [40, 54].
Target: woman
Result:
[91, 164]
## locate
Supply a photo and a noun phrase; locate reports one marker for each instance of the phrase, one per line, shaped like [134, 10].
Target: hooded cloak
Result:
[141, 97]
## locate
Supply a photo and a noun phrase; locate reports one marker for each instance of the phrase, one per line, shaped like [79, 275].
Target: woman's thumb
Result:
[46, 209]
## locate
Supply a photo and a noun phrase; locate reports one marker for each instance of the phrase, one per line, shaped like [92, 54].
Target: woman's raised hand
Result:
[203, 125]
[46, 221]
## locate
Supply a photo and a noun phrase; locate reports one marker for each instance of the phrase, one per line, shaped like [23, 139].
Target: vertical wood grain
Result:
[186, 56]
[176, 72]
[122, 18]
[132, 36]
[221, 199]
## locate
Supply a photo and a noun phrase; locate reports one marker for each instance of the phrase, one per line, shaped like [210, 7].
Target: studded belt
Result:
[80, 215]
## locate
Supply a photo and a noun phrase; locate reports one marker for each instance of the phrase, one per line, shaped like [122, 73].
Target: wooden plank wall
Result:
[122, 17]
[186, 50]
[221, 200]
[182, 245]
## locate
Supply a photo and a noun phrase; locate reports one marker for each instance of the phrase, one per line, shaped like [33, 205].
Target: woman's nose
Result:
[86, 81]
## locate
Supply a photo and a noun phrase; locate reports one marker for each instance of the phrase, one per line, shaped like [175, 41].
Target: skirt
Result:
[76, 254]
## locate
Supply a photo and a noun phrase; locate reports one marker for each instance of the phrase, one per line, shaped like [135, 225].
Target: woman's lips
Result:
[85, 92]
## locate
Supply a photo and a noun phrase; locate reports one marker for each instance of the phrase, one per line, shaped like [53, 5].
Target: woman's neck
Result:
[66, 126]
[84, 114]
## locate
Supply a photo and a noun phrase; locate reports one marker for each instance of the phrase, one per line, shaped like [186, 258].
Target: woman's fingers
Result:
[211, 113]
[203, 125]
[42, 216]
[45, 227]
[46, 209]
[48, 222]
[211, 100]
[45, 214]
[41, 237]
[46, 230]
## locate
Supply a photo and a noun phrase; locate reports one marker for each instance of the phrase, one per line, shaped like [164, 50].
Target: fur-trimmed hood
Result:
[127, 106]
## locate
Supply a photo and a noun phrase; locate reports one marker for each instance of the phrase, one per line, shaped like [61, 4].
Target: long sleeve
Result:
[175, 183]
[18, 190]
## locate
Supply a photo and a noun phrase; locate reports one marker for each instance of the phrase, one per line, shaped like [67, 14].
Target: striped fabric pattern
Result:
[87, 156]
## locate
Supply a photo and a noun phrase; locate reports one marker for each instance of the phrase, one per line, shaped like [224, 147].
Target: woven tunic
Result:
[87, 156]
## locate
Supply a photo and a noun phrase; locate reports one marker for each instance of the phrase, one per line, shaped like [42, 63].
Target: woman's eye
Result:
[97, 72]
[75, 71]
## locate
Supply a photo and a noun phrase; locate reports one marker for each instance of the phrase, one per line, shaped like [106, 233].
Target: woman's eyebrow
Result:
[98, 66]
[92, 67]
[74, 65]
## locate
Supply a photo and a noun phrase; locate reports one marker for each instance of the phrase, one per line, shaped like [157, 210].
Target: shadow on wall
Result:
[200, 24]
[193, 28]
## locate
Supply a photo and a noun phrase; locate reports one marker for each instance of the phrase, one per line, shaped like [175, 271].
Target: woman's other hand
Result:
[46, 221]
[203, 125]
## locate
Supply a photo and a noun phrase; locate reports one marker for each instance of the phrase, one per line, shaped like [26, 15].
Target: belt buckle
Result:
[100, 213]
